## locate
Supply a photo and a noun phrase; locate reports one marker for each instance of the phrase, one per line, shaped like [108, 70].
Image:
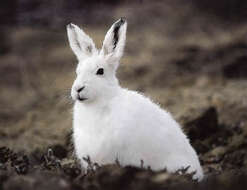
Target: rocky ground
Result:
[193, 63]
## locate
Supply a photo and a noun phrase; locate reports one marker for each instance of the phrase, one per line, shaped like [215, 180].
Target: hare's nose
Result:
[80, 89]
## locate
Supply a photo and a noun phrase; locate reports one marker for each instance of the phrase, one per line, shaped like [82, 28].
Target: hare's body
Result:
[111, 123]
[131, 135]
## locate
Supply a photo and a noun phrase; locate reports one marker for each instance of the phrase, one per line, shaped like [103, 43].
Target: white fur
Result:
[115, 123]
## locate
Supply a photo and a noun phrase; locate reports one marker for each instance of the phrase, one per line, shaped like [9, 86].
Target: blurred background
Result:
[188, 55]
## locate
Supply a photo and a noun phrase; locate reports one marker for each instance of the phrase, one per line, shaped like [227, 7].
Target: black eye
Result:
[100, 71]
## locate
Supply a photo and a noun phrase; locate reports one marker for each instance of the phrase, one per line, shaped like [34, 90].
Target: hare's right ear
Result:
[114, 42]
[81, 44]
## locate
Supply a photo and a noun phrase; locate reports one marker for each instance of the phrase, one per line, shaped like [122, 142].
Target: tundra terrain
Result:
[191, 58]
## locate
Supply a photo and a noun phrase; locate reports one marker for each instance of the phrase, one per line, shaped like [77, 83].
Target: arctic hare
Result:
[110, 122]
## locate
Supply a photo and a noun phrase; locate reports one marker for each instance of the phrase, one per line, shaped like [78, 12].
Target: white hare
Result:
[110, 122]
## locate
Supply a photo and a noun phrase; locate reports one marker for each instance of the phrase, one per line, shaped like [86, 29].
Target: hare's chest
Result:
[92, 135]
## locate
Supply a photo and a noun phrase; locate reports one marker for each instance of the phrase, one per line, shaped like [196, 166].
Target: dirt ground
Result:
[190, 62]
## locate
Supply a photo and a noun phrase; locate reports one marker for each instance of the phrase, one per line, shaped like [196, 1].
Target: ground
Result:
[191, 63]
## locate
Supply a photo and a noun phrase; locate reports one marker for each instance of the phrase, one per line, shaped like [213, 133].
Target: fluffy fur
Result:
[111, 123]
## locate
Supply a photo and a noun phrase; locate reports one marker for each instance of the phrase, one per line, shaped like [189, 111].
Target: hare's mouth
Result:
[81, 98]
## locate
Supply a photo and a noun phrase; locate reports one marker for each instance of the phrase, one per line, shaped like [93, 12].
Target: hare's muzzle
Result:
[80, 89]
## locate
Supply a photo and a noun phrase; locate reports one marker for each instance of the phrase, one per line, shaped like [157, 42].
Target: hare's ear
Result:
[81, 44]
[114, 41]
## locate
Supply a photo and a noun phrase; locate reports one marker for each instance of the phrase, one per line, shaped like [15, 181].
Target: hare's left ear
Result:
[114, 42]
[81, 44]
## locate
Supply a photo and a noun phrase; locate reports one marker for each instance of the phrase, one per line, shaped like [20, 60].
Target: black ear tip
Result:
[70, 25]
[122, 20]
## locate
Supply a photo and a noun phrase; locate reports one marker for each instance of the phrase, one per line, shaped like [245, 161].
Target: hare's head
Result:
[96, 68]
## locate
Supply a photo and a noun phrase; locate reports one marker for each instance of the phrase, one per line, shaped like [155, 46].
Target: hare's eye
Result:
[100, 71]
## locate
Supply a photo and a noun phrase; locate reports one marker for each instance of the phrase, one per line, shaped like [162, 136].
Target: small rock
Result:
[203, 126]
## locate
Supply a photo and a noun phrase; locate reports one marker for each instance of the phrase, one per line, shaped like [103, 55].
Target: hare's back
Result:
[137, 111]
